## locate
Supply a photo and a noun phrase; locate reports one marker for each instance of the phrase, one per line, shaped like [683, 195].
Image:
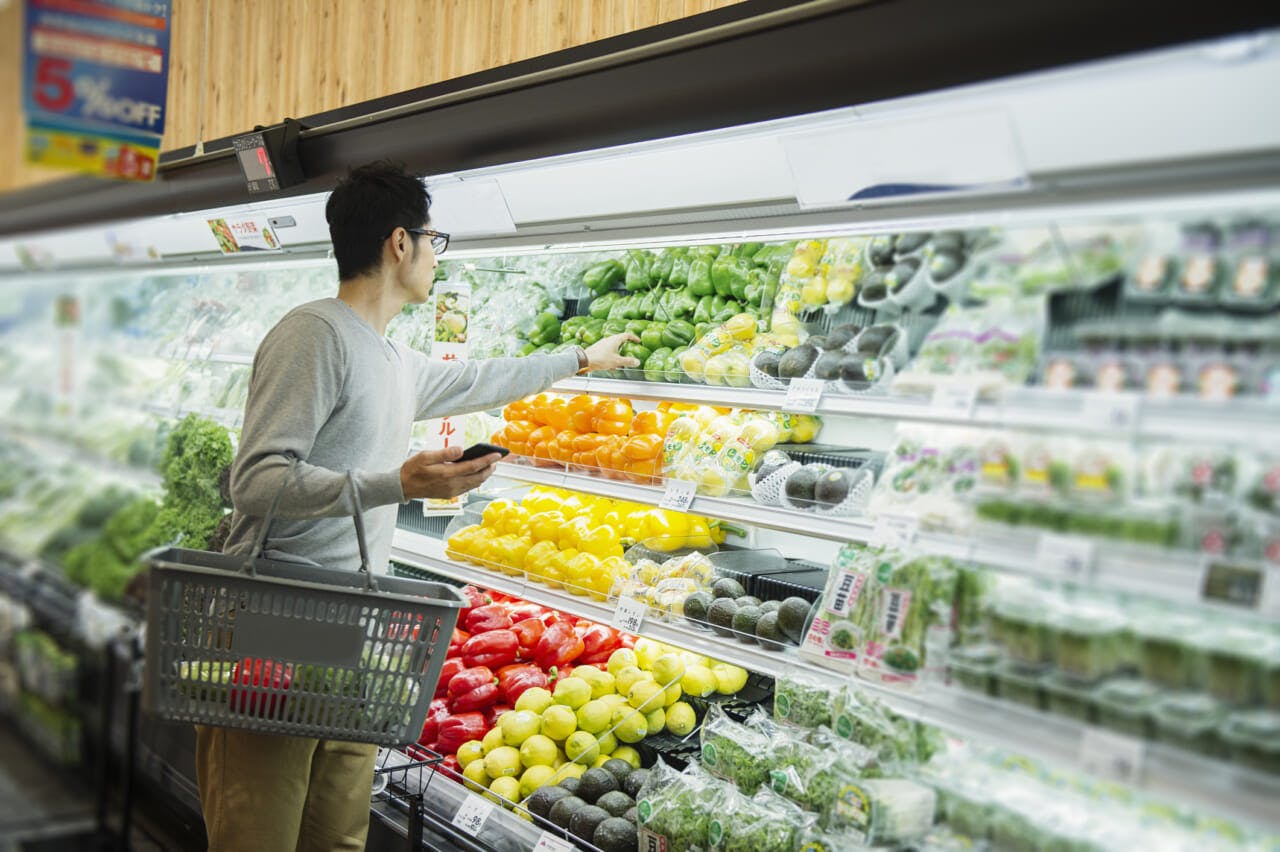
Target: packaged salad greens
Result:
[862, 719]
[1088, 642]
[733, 751]
[838, 632]
[1168, 650]
[677, 805]
[766, 822]
[914, 599]
[973, 666]
[1020, 622]
[801, 699]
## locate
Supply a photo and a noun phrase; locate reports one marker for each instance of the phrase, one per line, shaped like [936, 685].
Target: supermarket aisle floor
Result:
[44, 808]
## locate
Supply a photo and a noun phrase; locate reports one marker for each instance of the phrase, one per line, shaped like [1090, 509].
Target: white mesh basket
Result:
[768, 491]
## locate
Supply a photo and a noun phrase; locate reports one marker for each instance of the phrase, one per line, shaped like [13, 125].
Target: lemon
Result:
[558, 722]
[646, 695]
[628, 754]
[681, 720]
[469, 751]
[698, 681]
[602, 682]
[629, 725]
[569, 770]
[502, 761]
[535, 698]
[628, 677]
[572, 692]
[668, 669]
[620, 659]
[518, 725]
[840, 291]
[491, 740]
[538, 750]
[506, 789]
[581, 747]
[608, 742]
[656, 719]
[533, 778]
[477, 778]
[593, 717]
[613, 701]
[729, 678]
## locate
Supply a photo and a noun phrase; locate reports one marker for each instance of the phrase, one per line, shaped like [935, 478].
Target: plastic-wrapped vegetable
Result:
[863, 720]
[912, 597]
[802, 699]
[764, 823]
[678, 805]
[734, 752]
[838, 631]
[885, 810]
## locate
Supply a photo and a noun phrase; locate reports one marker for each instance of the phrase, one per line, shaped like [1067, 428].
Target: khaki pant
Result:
[269, 793]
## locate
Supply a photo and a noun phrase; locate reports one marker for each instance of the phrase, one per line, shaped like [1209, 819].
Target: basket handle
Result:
[370, 584]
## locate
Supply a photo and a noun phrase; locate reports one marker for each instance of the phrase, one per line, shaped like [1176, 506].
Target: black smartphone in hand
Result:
[475, 451]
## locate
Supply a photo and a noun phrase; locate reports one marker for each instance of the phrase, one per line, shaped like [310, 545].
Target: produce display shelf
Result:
[1160, 769]
[1170, 575]
[1123, 414]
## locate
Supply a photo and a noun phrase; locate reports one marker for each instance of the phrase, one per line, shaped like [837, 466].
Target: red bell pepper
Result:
[520, 612]
[559, 645]
[438, 709]
[597, 640]
[491, 617]
[450, 767]
[493, 713]
[472, 689]
[514, 680]
[494, 649]
[528, 631]
[458, 729]
[456, 641]
[475, 598]
[267, 674]
[450, 668]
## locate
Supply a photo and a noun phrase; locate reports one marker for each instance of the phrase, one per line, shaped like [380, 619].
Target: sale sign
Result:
[241, 235]
[95, 79]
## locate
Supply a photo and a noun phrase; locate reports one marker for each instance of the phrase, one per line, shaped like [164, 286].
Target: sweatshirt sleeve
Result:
[446, 388]
[296, 385]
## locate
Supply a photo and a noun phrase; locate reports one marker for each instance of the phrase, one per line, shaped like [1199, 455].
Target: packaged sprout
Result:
[1124, 705]
[973, 587]
[1068, 697]
[1235, 665]
[1167, 651]
[852, 757]
[802, 699]
[734, 752]
[1188, 720]
[766, 822]
[865, 721]
[1254, 737]
[677, 805]
[1088, 643]
[972, 666]
[838, 632]
[914, 598]
[1020, 623]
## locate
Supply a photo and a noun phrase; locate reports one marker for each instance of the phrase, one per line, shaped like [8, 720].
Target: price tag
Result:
[550, 843]
[894, 531]
[679, 495]
[1111, 412]
[629, 615]
[1067, 556]
[953, 402]
[650, 842]
[1112, 755]
[471, 814]
[1245, 584]
[803, 395]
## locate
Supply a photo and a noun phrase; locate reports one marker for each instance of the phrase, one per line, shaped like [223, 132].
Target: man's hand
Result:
[603, 354]
[435, 474]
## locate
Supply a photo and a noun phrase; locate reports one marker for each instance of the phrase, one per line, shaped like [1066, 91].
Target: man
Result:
[331, 394]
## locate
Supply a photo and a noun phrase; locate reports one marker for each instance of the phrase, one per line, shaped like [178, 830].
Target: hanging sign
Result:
[95, 80]
[235, 236]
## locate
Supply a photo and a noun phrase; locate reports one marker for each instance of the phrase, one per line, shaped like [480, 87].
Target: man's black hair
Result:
[366, 207]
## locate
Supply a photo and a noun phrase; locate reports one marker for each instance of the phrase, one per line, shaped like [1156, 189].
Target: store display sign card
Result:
[236, 236]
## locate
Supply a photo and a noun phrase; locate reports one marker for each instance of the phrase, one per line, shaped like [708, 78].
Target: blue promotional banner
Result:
[95, 82]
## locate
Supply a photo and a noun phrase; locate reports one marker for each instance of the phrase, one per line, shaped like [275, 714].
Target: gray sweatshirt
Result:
[330, 391]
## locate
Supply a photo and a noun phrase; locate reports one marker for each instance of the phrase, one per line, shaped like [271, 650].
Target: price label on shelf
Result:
[894, 531]
[650, 842]
[1111, 412]
[1246, 584]
[953, 402]
[679, 495]
[550, 843]
[630, 614]
[472, 814]
[803, 395]
[1112, 755]
[1066, 556]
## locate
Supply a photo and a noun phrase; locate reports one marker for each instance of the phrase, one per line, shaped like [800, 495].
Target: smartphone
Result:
[475, 451]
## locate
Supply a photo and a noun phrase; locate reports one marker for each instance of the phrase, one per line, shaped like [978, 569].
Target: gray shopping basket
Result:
[290, 648]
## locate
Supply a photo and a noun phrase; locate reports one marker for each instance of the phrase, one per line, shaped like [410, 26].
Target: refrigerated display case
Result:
[1038, 587]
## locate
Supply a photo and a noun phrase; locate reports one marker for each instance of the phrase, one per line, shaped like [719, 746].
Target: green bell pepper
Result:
[679, 275]
[601, 304]
[614, 326]
[676, 334]
[591, 332]
[570, 327]
[649, 303]
[638, 266]
[700, 330]
[637, 326]
[700, 275]
[729, 272]
[660, 271]
[602, 277]
[703, 312]
[640, 353]
[656, 367]
[747, 250]
[546, 329]
[653, 336]
[728, 309]
[527, 349]
[665, 308]
[684, 304]
[753, 293]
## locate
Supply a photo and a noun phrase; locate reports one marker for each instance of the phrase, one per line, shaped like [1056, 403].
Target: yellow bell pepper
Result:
[699, 535]
[495, 513]
[600, 541]
[545, 526]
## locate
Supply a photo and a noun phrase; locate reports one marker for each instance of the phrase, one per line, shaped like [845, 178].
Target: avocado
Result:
[771, 461]
[634, 783]
[746, 600]
[800, 486]
[595, 782]
[880, 250]
[948, 241]
[615, 834]
[617, 802]
[720, 616]
[944, 265]
[584, 821]
[695, 609]
[828, 366]
[570, 784]
[871, 339]
[832, 489]
[619, 767]
[796, 362]
[770, 606]
[901, 274]
[631, 816]
[727, 587]
[841, 335]
[767, 363]
[792, 615]
[873, 288]
[744, 620]
[856, 371]
[544, 797]
[562, 811]
[768, 634]
[817, 341]
[907, 243]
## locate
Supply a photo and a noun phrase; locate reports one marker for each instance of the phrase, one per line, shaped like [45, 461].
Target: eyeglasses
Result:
[439, 239]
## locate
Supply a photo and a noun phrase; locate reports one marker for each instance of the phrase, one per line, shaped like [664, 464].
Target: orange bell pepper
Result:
[582, 412]
[613, 417]
[558, 414]
[642, 447]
